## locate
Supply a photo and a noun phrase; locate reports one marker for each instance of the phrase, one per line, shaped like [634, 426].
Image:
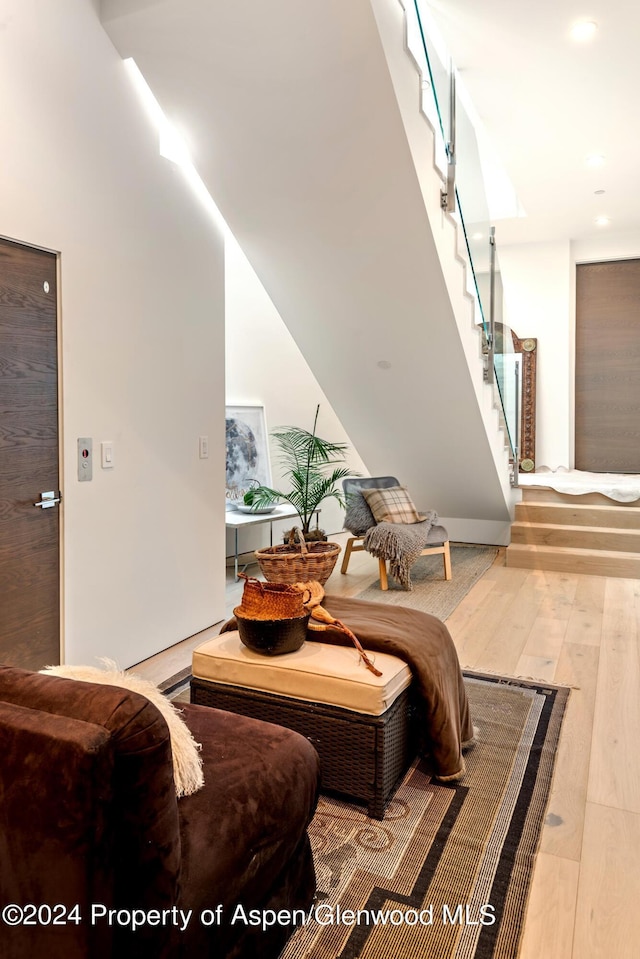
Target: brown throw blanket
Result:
[401, 544]
[424, 643]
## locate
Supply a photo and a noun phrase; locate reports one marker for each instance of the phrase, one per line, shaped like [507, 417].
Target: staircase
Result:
[575, 534]
[305, 124]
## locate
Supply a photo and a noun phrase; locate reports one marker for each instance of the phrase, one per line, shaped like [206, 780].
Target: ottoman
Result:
[359, 723]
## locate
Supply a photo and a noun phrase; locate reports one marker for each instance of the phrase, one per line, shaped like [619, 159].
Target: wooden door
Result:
[29, 535]
[607, 404]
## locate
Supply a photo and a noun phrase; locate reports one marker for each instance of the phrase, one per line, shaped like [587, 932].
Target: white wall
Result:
[266, 368]
[537, 280]
[606, 246]
[539, 298]
[142, 327]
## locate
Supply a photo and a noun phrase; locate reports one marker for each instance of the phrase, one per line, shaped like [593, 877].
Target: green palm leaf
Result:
[304, 458]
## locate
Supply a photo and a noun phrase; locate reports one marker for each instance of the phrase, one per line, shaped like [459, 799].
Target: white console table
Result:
[236, 520]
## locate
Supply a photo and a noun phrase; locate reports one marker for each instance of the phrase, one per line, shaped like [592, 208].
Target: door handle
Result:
[47, 500]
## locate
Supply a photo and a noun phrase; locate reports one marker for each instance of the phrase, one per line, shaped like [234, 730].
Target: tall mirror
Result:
[508, 347]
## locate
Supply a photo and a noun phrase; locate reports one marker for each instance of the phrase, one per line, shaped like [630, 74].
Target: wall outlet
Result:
[203, 446]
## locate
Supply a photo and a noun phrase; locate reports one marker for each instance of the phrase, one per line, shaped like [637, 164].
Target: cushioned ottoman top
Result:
[317, 672]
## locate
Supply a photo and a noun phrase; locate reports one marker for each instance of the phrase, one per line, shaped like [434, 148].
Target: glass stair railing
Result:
[460, 159]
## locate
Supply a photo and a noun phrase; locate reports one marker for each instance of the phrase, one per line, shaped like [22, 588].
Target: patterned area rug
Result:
[446, 874]
[431, 593]
[178, 687]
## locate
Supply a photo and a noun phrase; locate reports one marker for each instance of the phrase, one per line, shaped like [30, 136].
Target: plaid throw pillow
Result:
[392, 505]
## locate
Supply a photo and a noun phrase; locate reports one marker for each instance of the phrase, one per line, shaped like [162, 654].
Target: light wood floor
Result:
[581, 631]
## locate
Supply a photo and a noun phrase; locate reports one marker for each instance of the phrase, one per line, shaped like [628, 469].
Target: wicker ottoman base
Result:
[362, 757]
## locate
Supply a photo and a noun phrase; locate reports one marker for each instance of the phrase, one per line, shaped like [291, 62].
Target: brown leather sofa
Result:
[93, 840]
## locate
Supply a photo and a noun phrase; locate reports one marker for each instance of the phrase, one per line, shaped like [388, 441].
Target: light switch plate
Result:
[85, 459]
[203, 446]
[106, 455]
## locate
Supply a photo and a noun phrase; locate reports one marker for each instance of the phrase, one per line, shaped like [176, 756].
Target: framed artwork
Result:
[247, 451]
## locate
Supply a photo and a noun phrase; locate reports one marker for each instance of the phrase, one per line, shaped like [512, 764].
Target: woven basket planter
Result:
[272, 600]
[298, 562]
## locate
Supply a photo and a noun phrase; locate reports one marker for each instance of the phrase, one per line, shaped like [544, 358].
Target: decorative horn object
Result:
[324, 620]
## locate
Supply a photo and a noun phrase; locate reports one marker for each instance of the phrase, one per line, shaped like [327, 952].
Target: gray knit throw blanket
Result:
[400, 544]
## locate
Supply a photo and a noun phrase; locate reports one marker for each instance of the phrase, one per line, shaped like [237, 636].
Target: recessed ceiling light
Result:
[595, 159]
[477, 236]
[584, 31]
[602, 221]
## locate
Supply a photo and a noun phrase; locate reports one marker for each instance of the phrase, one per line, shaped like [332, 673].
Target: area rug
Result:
[431, 593]
[177, 687]
[446, 874]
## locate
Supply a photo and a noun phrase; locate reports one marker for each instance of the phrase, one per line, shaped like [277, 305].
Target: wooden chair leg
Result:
[347, 554]
[447, 561]
[384, 582]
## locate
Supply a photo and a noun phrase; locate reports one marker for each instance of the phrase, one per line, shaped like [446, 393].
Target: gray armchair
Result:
[359, 519]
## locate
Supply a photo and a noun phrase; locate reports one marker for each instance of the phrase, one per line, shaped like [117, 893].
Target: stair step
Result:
[532, 494]
[579, 514]
[593, 562]
[579, 537]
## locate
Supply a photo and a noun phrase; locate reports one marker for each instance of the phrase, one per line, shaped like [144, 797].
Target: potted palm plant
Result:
[310, 465]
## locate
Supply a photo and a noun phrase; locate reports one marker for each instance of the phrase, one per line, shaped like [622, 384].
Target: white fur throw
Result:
[187, 762]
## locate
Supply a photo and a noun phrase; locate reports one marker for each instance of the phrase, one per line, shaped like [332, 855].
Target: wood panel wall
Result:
[607, 381]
